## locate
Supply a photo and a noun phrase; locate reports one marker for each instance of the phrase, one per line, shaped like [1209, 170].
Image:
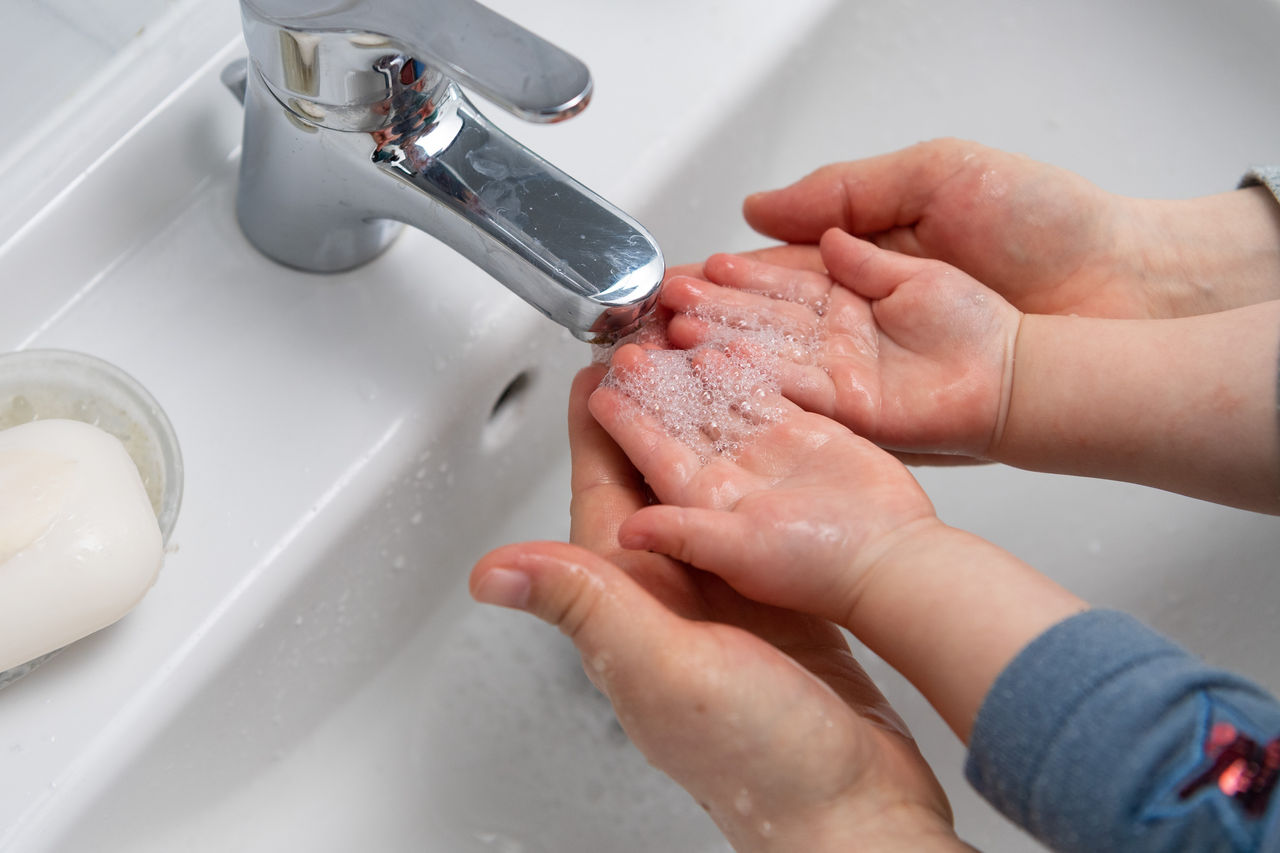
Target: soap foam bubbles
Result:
[719, 395]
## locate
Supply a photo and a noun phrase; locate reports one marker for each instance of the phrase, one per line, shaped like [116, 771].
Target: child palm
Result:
[911, 353]
[779, 521]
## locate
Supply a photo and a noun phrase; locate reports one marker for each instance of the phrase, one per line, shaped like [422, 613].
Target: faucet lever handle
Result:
[520, 71]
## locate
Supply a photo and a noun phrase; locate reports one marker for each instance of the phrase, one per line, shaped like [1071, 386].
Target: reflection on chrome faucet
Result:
[355, 124]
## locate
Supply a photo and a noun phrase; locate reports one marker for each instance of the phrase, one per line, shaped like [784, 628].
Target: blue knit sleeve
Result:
[1103, 735]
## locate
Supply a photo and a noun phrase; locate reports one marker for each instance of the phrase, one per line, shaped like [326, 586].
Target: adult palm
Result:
[762, 714]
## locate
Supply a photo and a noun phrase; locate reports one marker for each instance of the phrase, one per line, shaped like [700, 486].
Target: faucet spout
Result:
[568, 252]
[348, 136]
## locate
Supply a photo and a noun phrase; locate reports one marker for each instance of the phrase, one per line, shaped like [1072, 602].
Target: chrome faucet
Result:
[355, 123]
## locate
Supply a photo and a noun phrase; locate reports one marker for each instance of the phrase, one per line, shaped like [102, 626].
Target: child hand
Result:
[913, 354]
[798, 519]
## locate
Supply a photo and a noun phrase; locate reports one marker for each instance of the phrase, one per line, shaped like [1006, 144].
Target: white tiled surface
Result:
[53, 50]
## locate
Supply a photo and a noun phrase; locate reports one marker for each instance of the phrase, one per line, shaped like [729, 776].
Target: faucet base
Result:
[322, 199]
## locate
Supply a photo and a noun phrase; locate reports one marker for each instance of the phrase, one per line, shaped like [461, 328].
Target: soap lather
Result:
[355, 124]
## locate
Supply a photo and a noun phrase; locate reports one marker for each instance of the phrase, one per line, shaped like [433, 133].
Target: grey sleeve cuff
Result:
[1265, 176]
[1094, 737]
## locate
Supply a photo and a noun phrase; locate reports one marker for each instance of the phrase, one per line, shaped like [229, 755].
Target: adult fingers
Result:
[861, 196]
[937, 460]
[606, 487]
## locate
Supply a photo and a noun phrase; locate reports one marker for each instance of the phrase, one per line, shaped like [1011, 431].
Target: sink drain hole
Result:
[509, 400]
[504, 417]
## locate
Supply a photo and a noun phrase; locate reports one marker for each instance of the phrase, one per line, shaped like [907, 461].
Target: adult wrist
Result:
[1212, 253]
[855, 823]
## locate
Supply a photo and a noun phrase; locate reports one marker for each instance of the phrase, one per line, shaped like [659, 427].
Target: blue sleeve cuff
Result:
[1097, 737]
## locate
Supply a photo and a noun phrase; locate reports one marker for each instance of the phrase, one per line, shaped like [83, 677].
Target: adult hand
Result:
[760, 713]
[1046, 239]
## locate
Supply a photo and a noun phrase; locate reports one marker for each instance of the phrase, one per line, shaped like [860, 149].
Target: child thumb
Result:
[868, 271]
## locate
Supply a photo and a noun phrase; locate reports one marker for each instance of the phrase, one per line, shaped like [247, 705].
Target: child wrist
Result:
[1020, 416]
[883, 568]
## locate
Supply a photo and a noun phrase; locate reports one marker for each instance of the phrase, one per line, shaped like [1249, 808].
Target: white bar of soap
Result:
[79, 541]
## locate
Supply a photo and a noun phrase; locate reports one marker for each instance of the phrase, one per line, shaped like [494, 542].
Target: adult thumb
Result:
[614, 622]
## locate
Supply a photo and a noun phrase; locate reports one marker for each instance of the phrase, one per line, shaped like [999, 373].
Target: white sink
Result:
[308, 673]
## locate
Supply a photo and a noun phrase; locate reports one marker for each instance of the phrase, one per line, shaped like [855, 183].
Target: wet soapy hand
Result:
[760, 713]
[919, 357]
[800, 512]
[785, 518]
[911, 353]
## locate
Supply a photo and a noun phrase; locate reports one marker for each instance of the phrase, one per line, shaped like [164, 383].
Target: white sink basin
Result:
[308, 673]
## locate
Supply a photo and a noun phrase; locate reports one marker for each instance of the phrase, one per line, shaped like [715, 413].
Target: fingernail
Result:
[504, 588]
[634, 540]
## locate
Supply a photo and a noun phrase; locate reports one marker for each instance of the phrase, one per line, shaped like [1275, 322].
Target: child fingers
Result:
[801, 286]
[793, 255]
[688, 331]
[740, 392]
[733, 308]
[843, 389]
[636, 411]
[666, 460]
[809, 387]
